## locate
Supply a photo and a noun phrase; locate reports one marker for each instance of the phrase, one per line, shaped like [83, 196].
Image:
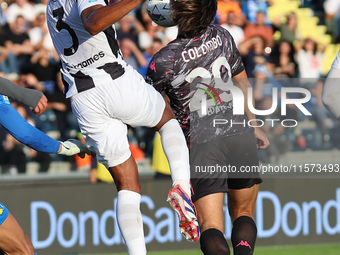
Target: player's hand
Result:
[262, 140]
[41, 106]
[72, 147]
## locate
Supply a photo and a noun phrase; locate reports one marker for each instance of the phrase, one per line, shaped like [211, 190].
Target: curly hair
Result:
[193, 16]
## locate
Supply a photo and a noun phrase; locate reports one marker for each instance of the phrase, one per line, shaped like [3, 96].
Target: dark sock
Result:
[213, 242]
[243, 235]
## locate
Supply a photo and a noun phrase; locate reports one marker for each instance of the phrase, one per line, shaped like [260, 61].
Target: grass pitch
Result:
[329, 249]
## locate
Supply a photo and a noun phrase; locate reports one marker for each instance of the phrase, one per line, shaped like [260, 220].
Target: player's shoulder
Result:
[220, 30]
[167, 53]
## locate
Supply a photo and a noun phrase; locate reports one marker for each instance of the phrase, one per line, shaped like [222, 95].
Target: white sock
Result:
[177, 153]
[130, 221]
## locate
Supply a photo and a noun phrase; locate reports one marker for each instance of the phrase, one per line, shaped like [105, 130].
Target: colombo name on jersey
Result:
[187, 66]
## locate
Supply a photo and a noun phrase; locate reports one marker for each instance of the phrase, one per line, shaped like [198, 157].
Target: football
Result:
[160, 12]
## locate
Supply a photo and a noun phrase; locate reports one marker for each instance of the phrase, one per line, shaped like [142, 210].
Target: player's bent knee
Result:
[167, 115]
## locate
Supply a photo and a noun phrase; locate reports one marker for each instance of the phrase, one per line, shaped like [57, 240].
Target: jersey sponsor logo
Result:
[92, 1]
[89, 61]
[205, 48]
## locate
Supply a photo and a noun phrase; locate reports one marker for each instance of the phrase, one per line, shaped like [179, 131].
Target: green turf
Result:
[329, 249]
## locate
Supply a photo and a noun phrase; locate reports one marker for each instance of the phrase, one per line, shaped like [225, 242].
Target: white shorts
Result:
[104, 112]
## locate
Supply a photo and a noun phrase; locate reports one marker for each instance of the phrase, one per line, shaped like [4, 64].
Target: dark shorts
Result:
[224, 163]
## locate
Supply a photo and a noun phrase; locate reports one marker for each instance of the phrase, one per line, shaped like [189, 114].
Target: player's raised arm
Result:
[98, 17]
[25, 133]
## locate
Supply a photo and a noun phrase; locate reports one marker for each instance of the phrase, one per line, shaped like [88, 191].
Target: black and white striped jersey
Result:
[86, 60]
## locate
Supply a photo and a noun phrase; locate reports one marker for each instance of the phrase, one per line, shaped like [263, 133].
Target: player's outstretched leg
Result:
[177, 153]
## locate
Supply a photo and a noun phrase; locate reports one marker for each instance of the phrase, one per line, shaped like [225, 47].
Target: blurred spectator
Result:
[8, 61]
[8, 64]
[321, 116]
[309, 56]
[276, 133]
[3, 13]
[67, 124]
[46, 122]
[129, 28]
[253, 53]
[224, 7]
[42, 75]
[236, 32]
[251, 7]
[289, 30]
[17, 42]
[259, 28]
[44, 71]
[40, 7]
[22, 8]
[132, 55]
[264, 83]
[3, 56]
[40, 36]
[283, 60]
[332, 18]
[157, 44]
[152, 31]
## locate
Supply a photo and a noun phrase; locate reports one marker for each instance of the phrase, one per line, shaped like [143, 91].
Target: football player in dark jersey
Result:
[197, 72]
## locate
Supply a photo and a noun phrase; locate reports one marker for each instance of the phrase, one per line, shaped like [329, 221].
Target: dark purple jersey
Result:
[190, 72]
